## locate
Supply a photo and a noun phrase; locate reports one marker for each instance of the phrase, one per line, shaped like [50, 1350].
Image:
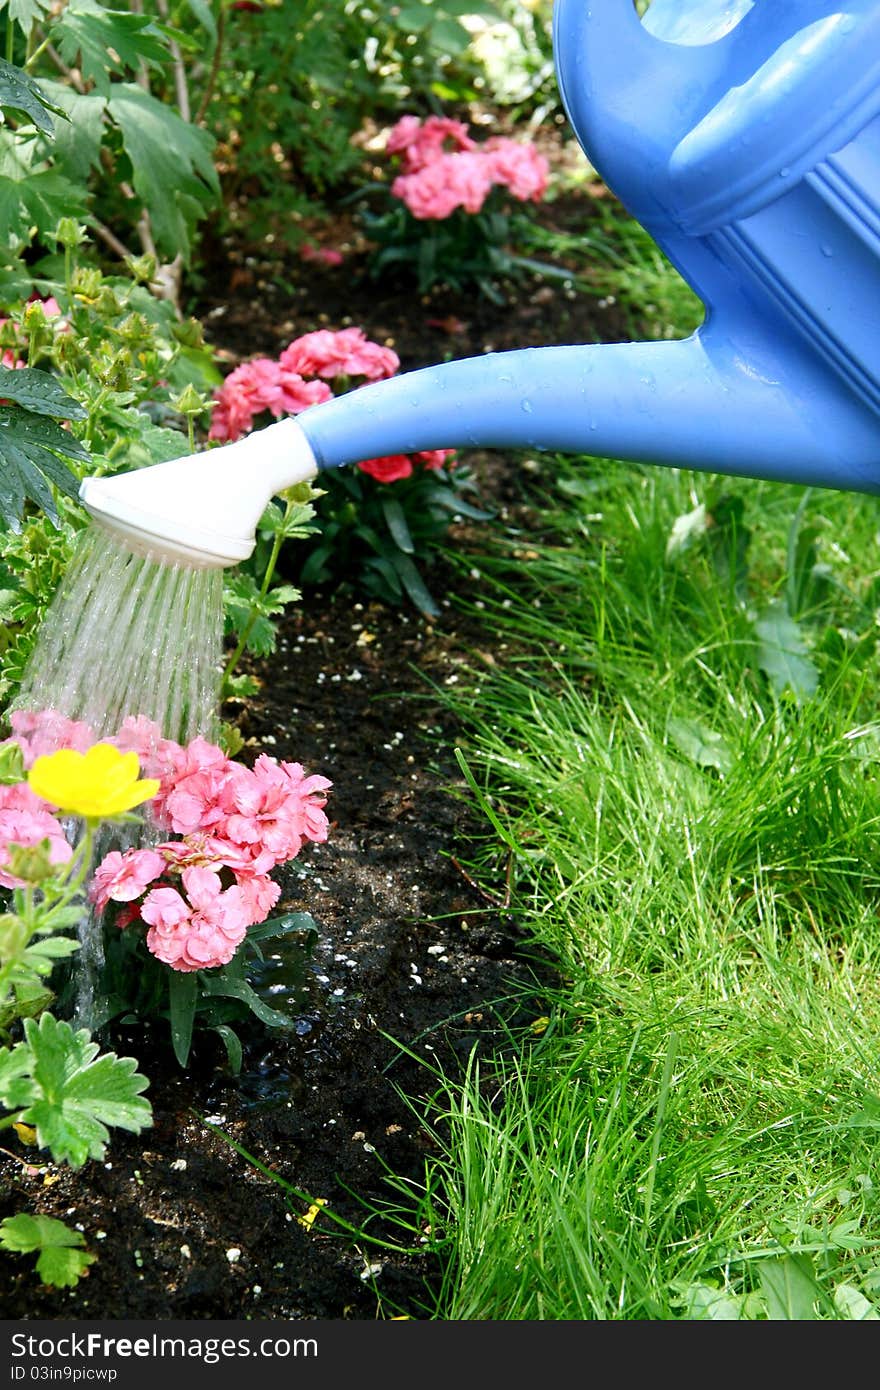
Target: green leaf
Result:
[11, 764]
[77, 147]
[100, 41]
[395, 518]
[704, 746]
[205, 15]
[40, 392]
[32, 195]
[852, 1305]
[790, 1288]
[29, 445]
[414, 585]
[183, 992]
[280, 926]
[61, 1261]
[232, 1044]
[19, 92]
[171, 160]
[26, 13]
[238, 989]
[449, 36]
[70, 1093]
[783, 655]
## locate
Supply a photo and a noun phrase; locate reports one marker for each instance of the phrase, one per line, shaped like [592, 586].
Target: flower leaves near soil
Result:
[56, 1081]
[61, 1260]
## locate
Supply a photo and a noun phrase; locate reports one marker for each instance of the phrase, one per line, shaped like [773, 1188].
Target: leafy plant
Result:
[92, 141]
[58, 1080]
[61, 1258]
[447, 215]
[382, 537]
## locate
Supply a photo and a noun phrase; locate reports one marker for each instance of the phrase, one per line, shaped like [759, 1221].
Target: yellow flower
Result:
[97, 785]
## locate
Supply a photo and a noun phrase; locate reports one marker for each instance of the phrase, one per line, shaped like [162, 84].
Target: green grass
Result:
[676, 761]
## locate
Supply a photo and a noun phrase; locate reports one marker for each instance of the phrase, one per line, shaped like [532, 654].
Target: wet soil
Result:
[413, 968]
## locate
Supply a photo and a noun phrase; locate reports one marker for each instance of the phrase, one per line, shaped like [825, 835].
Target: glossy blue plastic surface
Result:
[745, 136]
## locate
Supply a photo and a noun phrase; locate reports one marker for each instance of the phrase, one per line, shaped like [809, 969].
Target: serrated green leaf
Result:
[15, 1063]
[243, 687]
[62, 1260]
[783, 655]
[29, 445]
[39, 392]
[26, 13]
[790, 1288]
[62, 1269]
[101, 41]
[72, 1093]
[36, 197]
[24, 1234]
[19, 92]
[173, 172]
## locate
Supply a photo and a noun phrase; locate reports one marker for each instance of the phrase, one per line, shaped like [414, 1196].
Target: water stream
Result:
[126, 635]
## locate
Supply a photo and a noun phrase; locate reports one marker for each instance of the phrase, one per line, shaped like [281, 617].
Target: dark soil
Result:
[413, 970]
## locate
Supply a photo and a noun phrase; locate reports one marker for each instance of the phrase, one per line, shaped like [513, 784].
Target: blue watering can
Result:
[745, 137]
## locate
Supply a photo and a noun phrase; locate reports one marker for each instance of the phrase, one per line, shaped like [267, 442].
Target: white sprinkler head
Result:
[202, 510]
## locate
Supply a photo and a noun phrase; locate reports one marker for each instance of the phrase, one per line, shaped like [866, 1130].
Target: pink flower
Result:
[191, 795]
[326, 254]
[274, 808]
[248, 390]
[422, 143]
[259, 894]
[200, 933]
[433, 458]
[27, 828]
[451, 181]
[157, 755]
[45, 731]
[121, 878]
[347, 352]
[17, 796]
[519, 167]
[297, 395]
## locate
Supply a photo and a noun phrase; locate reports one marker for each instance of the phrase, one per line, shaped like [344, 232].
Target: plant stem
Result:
[255, 607]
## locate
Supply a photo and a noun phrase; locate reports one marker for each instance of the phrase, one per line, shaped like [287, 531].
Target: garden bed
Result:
[413, 968]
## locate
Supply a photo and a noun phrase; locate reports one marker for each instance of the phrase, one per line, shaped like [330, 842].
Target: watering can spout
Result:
[699, 403]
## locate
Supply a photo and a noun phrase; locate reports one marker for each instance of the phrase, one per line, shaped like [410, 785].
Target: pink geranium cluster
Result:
[443, 168]
[197, 893]
[308, 372]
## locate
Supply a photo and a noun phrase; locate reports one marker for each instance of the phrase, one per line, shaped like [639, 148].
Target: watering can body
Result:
[745, 136]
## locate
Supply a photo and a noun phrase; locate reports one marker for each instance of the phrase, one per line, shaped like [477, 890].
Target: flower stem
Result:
[258, 602]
